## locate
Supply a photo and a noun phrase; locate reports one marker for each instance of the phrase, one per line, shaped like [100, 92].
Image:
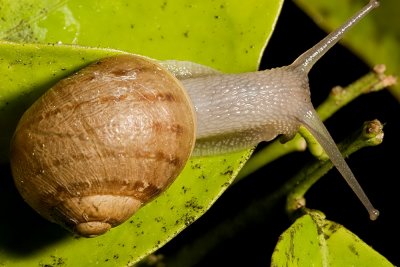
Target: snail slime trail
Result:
[110, 138]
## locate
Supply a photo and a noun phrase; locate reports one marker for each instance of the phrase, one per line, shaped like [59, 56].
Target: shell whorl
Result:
[121, 128]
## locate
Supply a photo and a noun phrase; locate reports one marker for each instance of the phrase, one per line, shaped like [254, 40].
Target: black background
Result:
[375, 167]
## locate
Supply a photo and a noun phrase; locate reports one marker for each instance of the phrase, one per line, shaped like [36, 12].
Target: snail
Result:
[108, 139]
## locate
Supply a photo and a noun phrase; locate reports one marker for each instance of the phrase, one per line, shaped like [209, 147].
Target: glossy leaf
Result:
[314, 241]
[233, 41]
[227, 35]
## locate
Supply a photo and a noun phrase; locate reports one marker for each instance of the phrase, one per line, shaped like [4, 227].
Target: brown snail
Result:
[89, 156]
[106, 140]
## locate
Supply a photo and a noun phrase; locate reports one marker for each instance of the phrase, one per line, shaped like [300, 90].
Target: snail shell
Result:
[103, 142]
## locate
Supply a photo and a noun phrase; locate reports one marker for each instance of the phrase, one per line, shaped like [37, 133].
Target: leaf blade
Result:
[314, 241]
[202, 181]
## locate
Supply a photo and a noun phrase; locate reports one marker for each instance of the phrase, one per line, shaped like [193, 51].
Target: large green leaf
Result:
[314, 241]
[376, 40]
[233, 41]
[228, 35]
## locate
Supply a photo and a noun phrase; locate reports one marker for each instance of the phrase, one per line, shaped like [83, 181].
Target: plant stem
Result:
[371, 134]
[339, 97]
[270, 153]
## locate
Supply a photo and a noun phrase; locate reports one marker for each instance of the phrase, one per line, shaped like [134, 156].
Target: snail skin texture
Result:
[108, 139]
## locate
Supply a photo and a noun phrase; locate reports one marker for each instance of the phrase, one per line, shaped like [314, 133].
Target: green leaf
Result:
[18, 18]
[314, 241]
[227, 35]
[201, 31]
[377, 38]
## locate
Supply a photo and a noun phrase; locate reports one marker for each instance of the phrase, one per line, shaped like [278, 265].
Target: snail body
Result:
[108, 139]
[246, 110]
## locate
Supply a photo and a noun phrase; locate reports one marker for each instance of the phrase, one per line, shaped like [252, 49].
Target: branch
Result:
[374, 81]
[371, 134]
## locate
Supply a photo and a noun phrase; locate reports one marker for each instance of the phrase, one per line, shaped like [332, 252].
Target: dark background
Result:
[375, 167]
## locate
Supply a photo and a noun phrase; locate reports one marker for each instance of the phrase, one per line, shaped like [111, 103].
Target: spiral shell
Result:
[102, 143]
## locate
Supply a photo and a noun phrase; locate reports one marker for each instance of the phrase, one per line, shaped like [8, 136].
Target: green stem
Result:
[374, 81]
[371, 134]
[339, 97]
[270, 153]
